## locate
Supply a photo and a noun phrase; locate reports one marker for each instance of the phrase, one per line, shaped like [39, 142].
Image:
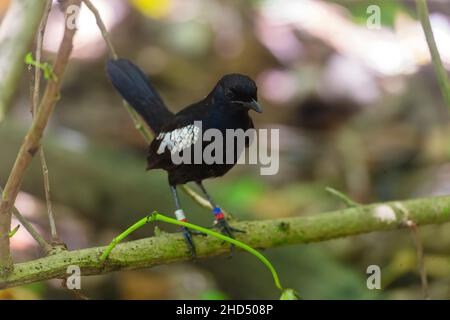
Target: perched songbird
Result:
[225, 107]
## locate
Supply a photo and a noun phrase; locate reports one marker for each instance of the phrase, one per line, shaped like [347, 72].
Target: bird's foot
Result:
[224, 227]
[188, 238]
[188, 233]
[198, 233]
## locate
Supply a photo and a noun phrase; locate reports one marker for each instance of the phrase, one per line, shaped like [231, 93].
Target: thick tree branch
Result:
[16, 32]
[168, 248]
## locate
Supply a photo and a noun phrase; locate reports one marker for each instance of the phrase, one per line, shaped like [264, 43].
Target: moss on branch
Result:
[168, 248]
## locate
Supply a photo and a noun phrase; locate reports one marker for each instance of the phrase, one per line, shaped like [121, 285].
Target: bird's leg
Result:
[220, 221]
[179, 214]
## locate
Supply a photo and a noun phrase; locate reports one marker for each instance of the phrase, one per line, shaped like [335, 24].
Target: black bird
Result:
[225, 107]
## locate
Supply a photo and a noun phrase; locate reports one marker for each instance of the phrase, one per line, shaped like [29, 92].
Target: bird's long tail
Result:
[135, 87]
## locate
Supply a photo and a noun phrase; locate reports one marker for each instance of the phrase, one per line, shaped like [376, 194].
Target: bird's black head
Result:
[239, 91]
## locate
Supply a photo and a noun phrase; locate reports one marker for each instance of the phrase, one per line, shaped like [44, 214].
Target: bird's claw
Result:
[187, 234]
[224, 227]
[197, 233]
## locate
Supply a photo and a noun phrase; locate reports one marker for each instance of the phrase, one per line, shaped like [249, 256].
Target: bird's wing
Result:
[177, 135]
[177, 139]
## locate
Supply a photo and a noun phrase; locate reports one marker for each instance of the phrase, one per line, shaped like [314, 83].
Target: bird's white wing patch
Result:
[178, 139]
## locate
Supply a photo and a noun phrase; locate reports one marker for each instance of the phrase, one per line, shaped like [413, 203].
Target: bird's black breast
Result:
[180, 135]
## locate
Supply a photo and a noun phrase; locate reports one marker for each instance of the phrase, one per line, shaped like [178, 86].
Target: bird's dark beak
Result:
[254, 105]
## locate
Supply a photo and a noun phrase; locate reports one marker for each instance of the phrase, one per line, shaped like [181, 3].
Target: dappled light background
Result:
[358, 108]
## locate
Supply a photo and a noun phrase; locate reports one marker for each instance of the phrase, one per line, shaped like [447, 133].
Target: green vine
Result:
[287, 294]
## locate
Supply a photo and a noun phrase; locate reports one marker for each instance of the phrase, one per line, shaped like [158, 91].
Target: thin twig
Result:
[345, 199]
[34, 104]
[31, 142]
[202, 202]
[422, 11]
[138, 122]
[408, 222]
[102, 28]
[39, 42]
[420, 257]
[76, 292]
[51, 218]
[45, 246]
